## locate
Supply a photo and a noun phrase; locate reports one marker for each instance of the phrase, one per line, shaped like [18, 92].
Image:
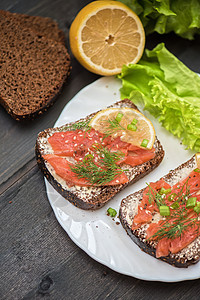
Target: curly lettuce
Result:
[164, 16]
[168, 90]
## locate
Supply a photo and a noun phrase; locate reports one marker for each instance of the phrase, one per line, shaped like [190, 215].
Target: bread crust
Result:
[128, 208]
[91, 197]
[42, 26]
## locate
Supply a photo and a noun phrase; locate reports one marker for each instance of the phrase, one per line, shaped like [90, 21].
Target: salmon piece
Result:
[134, 148]
[193, 182]
[155, 186]
[68, 142]
[116, 144]
[166, 245]
[152, 229]
[62, 168]
[133, 160]
[184, 240]
[143, 216]
[152, 189]
[139, 156]
[163, 247]
[120, 179]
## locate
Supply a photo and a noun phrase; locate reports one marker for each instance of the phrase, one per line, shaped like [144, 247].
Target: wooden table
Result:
[37, 259]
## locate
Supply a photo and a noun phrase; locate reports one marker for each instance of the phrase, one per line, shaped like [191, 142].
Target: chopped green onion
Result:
[197, 208]
[191, 202]
[171, 197]
[164, 191]
[112, 212]
[132, 127]
[119, 117]
[197, 170]
[175, 205]
[134, 122]
[144, 143]
[164, 210]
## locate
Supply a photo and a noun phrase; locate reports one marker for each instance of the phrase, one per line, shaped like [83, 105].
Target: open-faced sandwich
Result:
[89, 161]
[163, 219]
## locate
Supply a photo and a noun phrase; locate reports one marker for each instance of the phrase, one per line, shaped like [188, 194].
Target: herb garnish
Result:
[179, 220]
[112, 126]
[155, 196]
[99, 168]
[111, 212]
[78, 125]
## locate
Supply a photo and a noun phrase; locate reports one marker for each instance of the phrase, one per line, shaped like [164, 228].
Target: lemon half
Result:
[105, 35]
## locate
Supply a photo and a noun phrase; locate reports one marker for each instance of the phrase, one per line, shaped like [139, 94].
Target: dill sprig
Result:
[155, 196]
[172, 230]
[99, 168]
[78, 126]
[179, 221]
[112, 126]
[181, 196]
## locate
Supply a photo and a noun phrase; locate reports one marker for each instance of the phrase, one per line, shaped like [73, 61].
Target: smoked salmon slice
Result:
[176, 231]
[79, 143]
[62, 168]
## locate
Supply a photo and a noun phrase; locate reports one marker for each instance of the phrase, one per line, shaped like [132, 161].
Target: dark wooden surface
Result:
[37, 258]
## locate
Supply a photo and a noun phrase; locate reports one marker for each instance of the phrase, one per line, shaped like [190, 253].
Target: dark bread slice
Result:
[91, 197]
[128, 209]
[42, 26]
[33, 70]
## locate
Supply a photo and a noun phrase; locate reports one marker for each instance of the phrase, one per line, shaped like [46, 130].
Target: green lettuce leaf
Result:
[170, 91]
[164, 16]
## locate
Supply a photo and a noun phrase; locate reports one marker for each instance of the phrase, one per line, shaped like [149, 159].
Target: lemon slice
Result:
[127, 123]
[105, 35]
[197, 156]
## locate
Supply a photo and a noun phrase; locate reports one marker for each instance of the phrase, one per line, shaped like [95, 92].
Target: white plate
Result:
[98, 234]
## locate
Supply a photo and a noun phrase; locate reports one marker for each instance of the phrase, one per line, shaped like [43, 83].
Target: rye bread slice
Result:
[42, 26]
[33, 70]
[128, 209]
[96, 196]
